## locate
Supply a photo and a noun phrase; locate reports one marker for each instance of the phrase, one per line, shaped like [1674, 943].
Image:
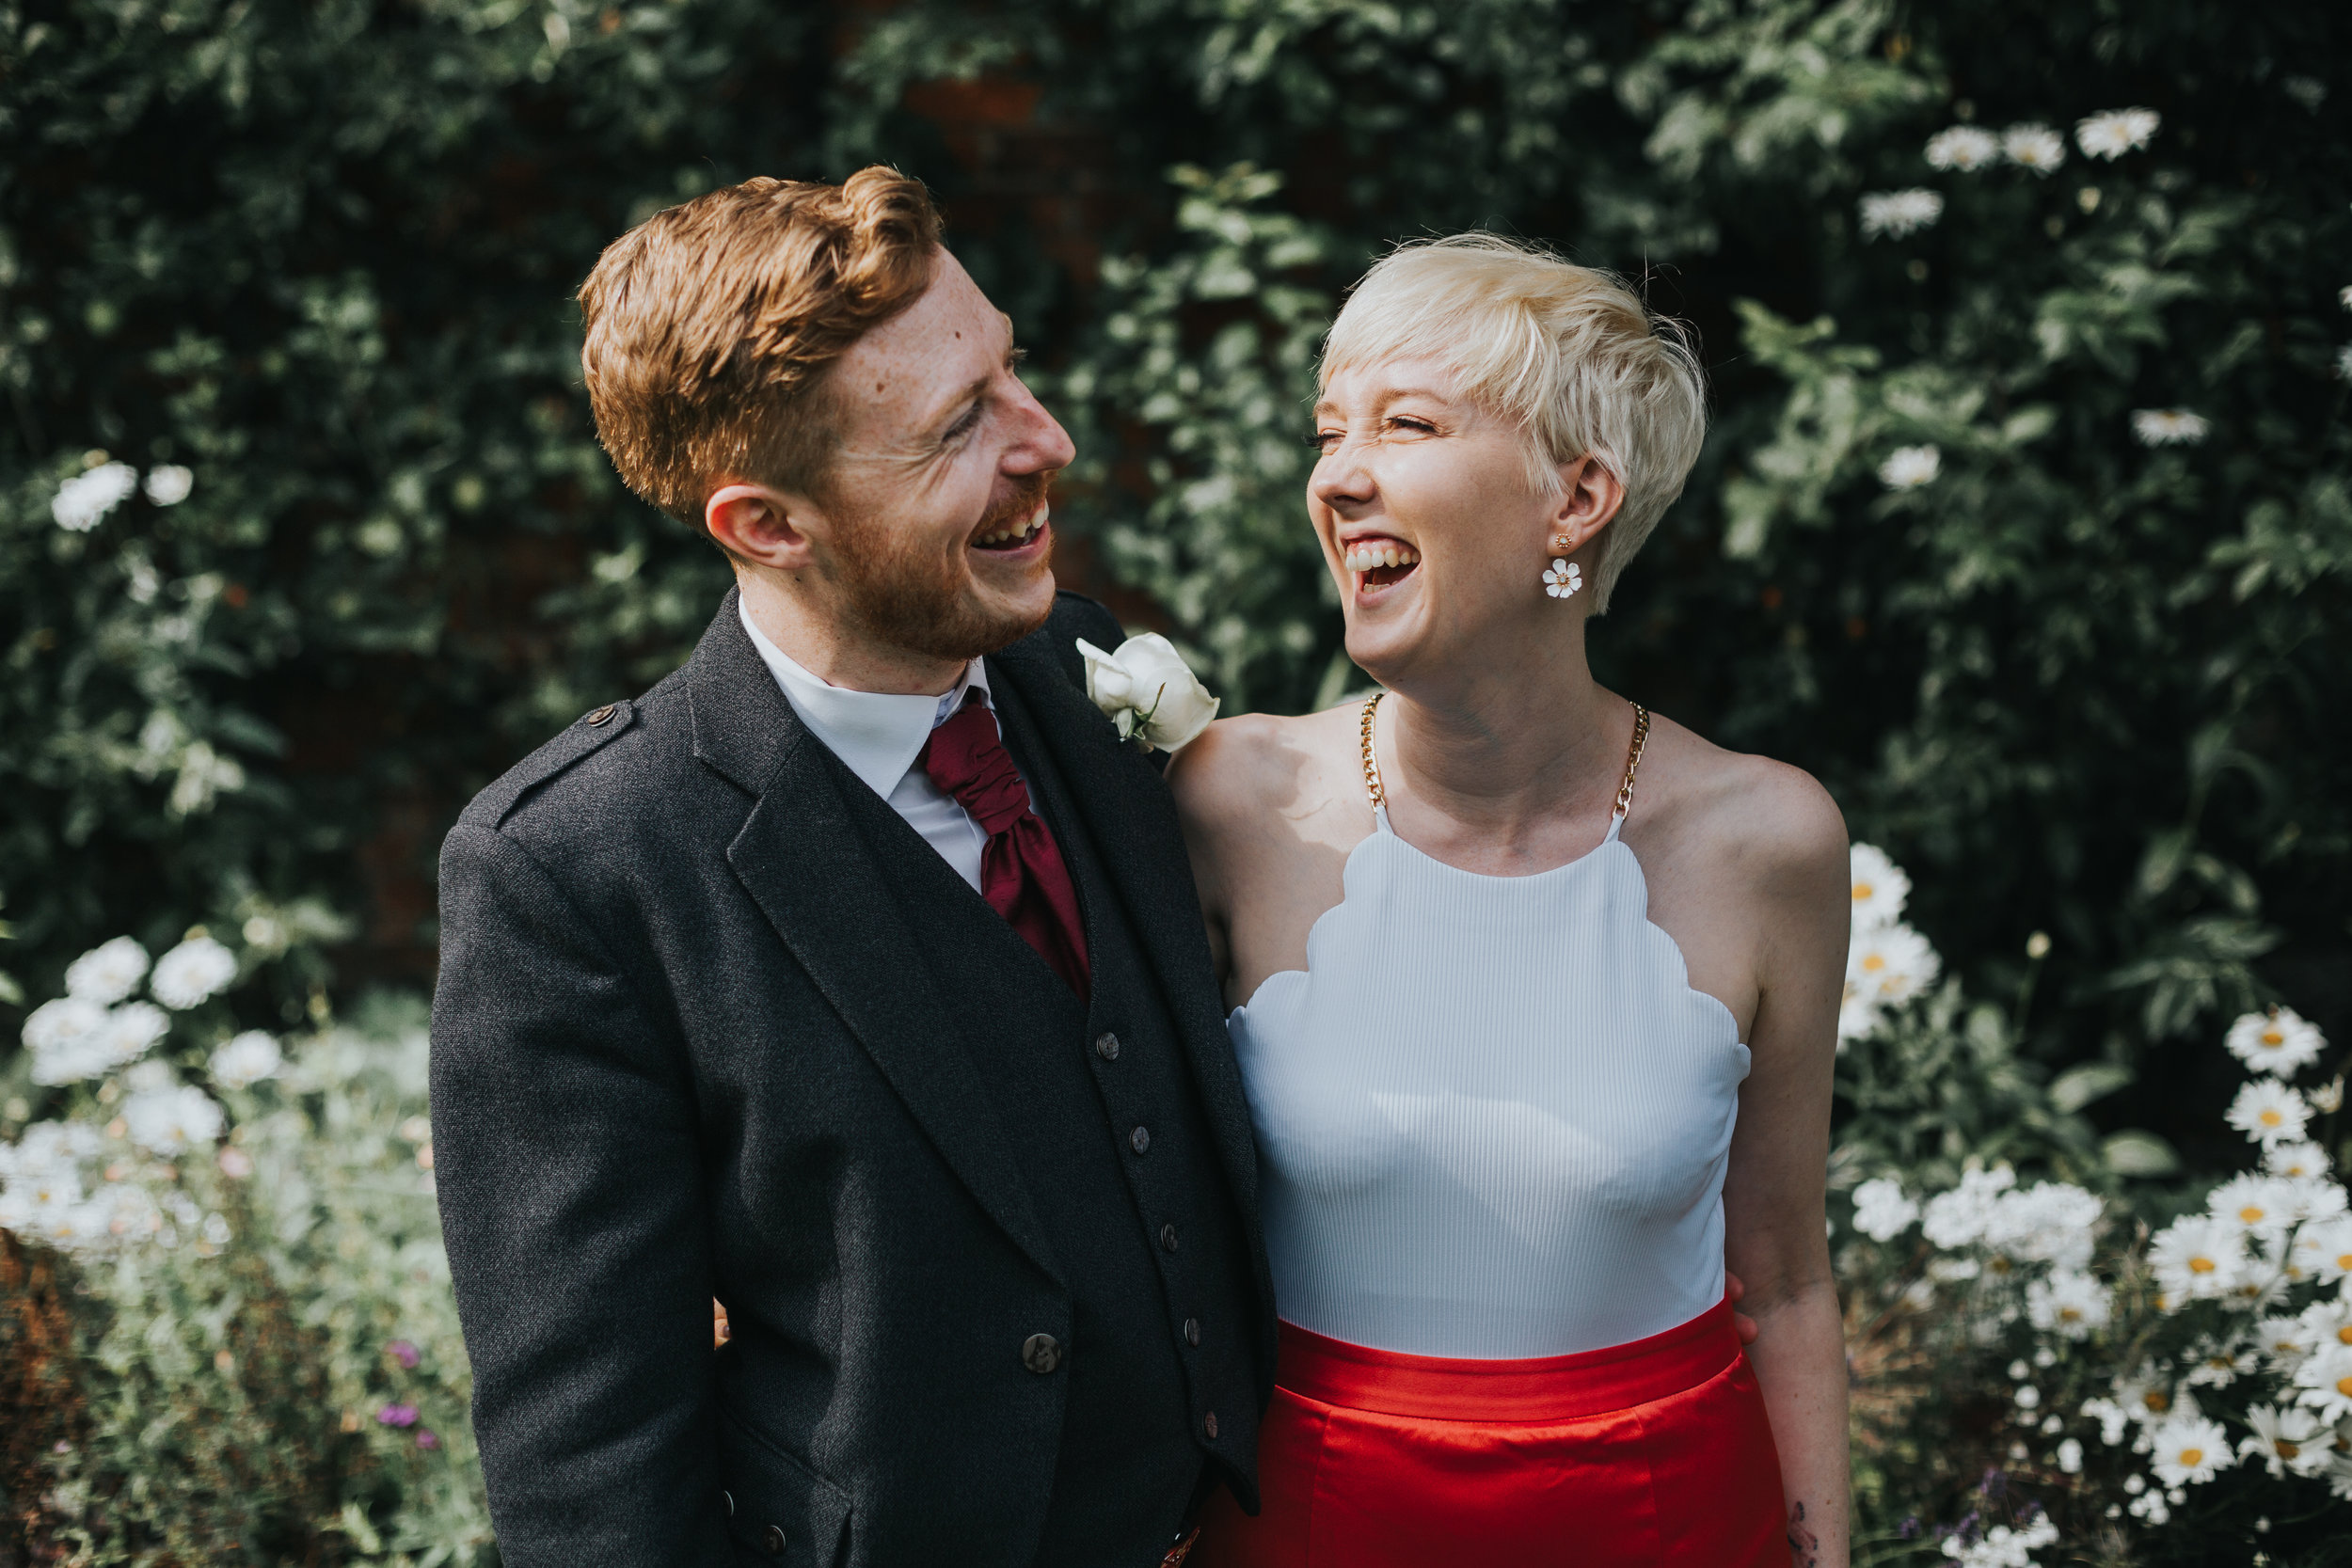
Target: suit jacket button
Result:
[1192, 1331]
[1041, 1353]
[729, 1499]
[1167, 1238]
[1140, 1139]
[773, 1542]
[1106, 1046]
[603, 715]
[1208, 1424]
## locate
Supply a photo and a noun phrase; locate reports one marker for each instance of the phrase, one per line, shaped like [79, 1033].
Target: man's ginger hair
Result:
[711, 324]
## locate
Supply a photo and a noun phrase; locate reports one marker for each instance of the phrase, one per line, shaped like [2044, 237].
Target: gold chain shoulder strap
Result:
[1632, 761]
[1371, 767]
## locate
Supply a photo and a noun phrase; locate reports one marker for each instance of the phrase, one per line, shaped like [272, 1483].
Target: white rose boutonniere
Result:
[1149, 691]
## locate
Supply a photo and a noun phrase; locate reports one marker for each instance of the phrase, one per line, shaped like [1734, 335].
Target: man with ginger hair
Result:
[852, 975]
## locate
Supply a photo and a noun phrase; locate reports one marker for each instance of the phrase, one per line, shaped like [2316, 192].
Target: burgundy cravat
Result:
[1022, 873]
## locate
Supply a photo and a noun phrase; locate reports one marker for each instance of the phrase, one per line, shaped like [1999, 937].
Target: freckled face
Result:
[941, 539]
[1422, 503]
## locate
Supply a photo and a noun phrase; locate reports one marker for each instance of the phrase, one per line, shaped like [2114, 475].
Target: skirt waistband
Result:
[1520, 1392]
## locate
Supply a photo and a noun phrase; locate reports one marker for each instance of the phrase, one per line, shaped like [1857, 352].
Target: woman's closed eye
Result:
[1405, 425]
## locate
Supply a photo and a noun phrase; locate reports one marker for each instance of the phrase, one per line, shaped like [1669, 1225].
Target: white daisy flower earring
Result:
[1563, 578]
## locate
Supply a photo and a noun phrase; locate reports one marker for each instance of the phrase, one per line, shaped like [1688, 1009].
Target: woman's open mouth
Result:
[1380, 563]
[1017, 534]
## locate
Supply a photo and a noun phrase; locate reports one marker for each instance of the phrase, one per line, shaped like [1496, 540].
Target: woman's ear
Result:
[758, 526]
[1590, 496]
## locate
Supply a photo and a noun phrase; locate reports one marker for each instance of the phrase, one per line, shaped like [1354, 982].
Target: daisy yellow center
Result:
[2197, 1456]
[2271, 1118]
[2345, 1333]
[2344, 1386]
[2287, 1450]
[2200, 1265]
[2158, 1402]
[2273, 1039]
[2343, 1261]
[1862, 892]
[2252, 1213]
[1874, 961]
[2070, 1314]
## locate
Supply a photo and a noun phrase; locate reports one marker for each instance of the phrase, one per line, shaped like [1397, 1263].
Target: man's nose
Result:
[1043, 443]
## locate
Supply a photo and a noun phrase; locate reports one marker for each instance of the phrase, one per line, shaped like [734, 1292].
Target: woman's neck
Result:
[1505, 749]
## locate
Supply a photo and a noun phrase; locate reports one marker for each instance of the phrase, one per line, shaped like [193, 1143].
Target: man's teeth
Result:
[1365, 558]
[1019, 532]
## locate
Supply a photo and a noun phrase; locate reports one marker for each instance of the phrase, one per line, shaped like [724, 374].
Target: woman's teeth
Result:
[1018, 535]
[1369, 558]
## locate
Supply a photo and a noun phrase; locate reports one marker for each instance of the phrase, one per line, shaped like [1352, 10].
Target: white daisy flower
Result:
[1857, 1015]
[2111, 134]
[133, 1030]
[1891, 964]
[2167, 427]
[246, 1059]
[1909, 467]
[2111, 1416]
[107, 972]
[68, 1038]
[2268, 1112]
[2050, 1222]
[2188, 1450]
[1563, 578]
[1958, 1218]
[2328, 1323]
[2070, 1304]
[2217, 1365]
[171, 1121]
[1878, 885]
[2290, 1439]
[83, 502]
[2338, 1470]
[2280, 1042]
[2329, 1097]
[2284, 1342]
[2199, 1257]
[2070, 1457]
[192, 973]
[2263, 1205]
[169, 483]
[1880, 1212]
[1898, 214]
[1965, 147]
[2324, 1249]
[2034, 147]
[2296, 1162]
[2325, 1382]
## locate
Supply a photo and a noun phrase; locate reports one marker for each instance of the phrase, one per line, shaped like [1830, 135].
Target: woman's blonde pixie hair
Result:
[1570, 353]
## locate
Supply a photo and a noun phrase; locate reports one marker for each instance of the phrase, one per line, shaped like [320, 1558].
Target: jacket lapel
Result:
[802, 859]
[1133, 822]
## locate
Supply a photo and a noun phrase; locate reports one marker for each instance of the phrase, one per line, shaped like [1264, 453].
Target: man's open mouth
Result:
[1379, 563]
[1015, 534]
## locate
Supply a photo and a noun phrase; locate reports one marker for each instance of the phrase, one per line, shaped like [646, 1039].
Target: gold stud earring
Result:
[1563, 543]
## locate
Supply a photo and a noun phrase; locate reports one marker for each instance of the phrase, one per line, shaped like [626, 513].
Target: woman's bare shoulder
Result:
[1773, 821]
[1247, 772]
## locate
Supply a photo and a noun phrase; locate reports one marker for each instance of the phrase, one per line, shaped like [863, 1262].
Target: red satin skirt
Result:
[1654, 1452]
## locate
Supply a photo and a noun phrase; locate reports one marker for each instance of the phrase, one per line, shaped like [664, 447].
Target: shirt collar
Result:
[877, 735]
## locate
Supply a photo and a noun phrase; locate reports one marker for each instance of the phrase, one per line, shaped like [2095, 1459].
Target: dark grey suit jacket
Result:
[682, 1047]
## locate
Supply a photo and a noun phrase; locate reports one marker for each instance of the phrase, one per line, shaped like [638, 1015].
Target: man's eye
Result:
[964, 424]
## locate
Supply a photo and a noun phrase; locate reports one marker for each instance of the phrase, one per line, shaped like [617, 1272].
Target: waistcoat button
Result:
[1041, 1353]
[1167, 1238]
[773, 1542]
[1106, 1046]
[1140, 1139]
[1192, 1331]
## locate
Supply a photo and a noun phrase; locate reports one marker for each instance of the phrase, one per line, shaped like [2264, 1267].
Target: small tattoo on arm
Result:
[1804, 1547]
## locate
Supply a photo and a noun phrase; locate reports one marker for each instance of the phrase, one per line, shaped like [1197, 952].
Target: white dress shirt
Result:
[878, 735]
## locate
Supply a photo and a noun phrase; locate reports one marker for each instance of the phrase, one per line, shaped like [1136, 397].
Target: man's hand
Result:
[1741, 1323]
[721, 1331]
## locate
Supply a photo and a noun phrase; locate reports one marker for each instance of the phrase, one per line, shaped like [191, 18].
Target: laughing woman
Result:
[1537, 991]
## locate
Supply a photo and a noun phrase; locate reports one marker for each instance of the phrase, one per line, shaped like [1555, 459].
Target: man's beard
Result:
[902, 594]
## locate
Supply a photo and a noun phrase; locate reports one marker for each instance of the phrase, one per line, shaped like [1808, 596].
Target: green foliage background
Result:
[322, 254]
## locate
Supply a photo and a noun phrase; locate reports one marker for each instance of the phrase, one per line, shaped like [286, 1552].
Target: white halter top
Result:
[1492, 1115]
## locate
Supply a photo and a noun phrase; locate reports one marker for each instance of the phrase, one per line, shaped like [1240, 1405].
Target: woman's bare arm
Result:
[1774, 1205]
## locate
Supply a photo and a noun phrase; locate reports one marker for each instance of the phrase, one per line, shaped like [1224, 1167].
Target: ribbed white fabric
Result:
[1492, 1115]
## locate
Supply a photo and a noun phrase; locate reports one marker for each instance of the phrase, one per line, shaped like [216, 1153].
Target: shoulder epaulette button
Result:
[602, 716]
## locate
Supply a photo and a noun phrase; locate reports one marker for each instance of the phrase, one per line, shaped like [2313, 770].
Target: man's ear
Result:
[760, 526]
